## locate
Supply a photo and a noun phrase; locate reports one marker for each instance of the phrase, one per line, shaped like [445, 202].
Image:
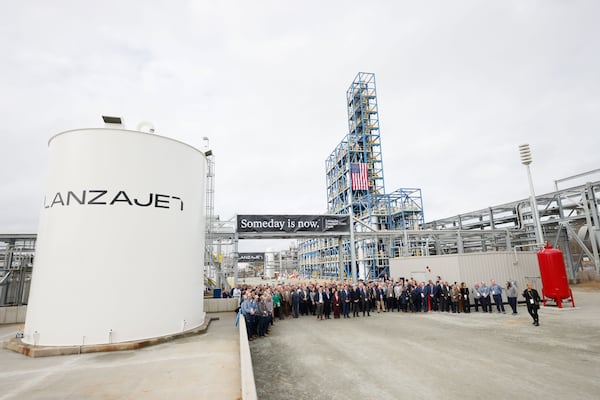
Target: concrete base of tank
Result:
[17, 345]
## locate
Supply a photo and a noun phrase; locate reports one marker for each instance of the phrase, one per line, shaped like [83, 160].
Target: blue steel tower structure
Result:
[372, 209]
[362, 145]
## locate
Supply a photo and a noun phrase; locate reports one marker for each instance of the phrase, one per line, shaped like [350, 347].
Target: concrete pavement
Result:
[387, 355]
[205, 366]
[434, 355]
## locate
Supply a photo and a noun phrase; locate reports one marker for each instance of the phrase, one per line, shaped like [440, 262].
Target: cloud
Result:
[460, 86]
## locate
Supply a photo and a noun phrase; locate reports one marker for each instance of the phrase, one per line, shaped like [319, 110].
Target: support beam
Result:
[575, 236]
[591, 230]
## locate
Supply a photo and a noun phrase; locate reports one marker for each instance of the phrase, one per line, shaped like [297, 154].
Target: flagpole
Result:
[351, 218]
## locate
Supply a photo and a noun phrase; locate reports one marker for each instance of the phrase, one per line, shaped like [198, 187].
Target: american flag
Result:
[359, 175]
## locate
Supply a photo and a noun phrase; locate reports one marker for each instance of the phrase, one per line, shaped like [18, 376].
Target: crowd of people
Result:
[262, 305]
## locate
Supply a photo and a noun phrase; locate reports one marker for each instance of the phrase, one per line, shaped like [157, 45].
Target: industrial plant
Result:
[383, 228]
[392, 225]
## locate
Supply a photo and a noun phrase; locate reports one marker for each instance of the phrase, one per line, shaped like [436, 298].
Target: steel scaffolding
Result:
[569, 217]
[372, 209]
[16, 263]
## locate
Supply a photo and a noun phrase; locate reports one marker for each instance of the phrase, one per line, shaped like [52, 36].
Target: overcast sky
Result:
[460, 85]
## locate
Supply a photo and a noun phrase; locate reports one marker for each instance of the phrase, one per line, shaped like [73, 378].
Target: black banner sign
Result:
[292, 223]
[251, 257]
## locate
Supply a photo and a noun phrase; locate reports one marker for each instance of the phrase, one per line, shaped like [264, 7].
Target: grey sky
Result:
[460, 83]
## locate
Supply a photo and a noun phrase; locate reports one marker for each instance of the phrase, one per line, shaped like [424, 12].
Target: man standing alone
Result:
[532, 298]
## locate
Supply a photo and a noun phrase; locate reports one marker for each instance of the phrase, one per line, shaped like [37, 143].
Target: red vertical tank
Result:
[554, 275]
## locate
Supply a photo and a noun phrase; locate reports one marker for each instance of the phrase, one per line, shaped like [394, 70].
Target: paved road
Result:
[434, 355]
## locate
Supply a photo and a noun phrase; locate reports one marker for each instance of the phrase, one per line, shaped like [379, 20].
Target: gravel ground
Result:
[434, 355]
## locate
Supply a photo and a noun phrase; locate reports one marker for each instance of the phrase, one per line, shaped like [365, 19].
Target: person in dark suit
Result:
[532, 298]
[444, 297]
[405, 297]
[327, 302]
[434, 295]
[319, 302]
[295, 302]
[303, 301]
[417, 298]
[346, 301]
[355, 297]
[311, 292]
[427, 292]
[365, 299]
[464, 292]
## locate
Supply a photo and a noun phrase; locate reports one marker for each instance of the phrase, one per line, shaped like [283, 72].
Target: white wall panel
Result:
[417, 267]
[521, 267]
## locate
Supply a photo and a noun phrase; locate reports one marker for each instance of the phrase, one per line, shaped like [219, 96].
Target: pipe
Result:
[524, 245]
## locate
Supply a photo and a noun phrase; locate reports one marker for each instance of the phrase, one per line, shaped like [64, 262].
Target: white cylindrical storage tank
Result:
[120, 247]
[269, 265]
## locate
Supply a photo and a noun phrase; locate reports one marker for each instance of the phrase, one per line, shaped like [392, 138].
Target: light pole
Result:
[526, 160]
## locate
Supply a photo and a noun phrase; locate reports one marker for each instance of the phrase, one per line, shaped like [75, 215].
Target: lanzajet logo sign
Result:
[292, 223]
[103, 197]
[251, 257]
